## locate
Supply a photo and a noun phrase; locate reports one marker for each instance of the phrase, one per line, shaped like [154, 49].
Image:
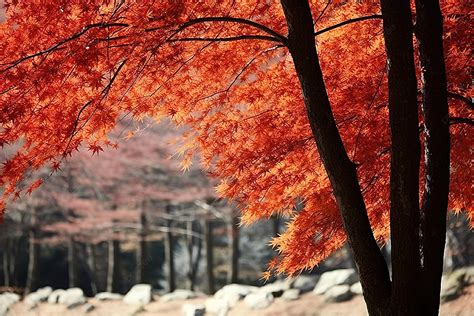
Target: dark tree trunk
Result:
[405, 157]
[33, 256]
[208, 239]
[341, 170]
[169, 253]
[429, 32]
[233, 231]
[72, 262]
[6, 262]
[190, 246]
[91, 267]
[113, 268]
[142, 255]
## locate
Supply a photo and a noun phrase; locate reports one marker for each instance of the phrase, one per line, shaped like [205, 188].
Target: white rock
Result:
[333, 278]
[356, 288]
[139, 294]
[258, 300]
[87, 308]
[217, 306]
[291, 294]
[6, 301]
[178, 295]
[338, 293]
[305, 283]
[72, 297]
[193, 310]
[235, 292]
[54, 296]
[107, 296]
[276, 288]
[38, 296]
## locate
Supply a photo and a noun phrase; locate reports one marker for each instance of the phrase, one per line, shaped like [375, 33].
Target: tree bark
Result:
[190, 246]
[429, 33]
[72, 263]
[113, 268]
[233, 231]
[91, 267]
[33, 256]
[341, 171]
[169, 253]
[6, 262]
[405, 157]
[208, 239]
[141, 255]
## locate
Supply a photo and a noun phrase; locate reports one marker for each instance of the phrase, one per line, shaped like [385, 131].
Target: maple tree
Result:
[339, 128]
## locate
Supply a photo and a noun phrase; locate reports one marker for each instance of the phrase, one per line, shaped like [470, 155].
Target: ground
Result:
[308, 305]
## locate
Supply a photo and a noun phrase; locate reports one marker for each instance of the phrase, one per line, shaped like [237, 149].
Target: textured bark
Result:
[405, 157]
[72, 263]
[190, 246]
[233, 231]
[142, 255]
[6, 262]
[341, 171]
[33, 256]
[169, 254]
[429, 33]
[208, 239]
[113, 266]
[91, 267]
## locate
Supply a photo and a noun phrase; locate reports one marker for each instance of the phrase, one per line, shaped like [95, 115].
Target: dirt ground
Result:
[308, 305]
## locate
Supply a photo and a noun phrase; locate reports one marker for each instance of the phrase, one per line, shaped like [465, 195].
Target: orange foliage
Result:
[70, 70]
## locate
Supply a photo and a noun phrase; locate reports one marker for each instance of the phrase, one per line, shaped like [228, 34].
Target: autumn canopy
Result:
[70, 70]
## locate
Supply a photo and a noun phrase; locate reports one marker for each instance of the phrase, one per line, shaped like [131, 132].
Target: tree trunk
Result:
[72, 262]
[233, 231]
[91, 267]
[141, 255]
[405, 157]
[208, 239]
[190, 246]
[113, 268]
[33, 256]
[6, 262]
[341, 171]
[169, 253]
[429, 32]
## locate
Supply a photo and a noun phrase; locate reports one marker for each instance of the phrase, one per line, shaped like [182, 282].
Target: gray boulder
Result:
[178, 295]
[72, 297]
[305, 283]
[291, 294]
[356, 288]
[452, 285]
[217, 306]
[139, 294]
[54, 296]
[107, 296]
[6, 301]
[193, 310]
[258, 300]
[276, 288]
[333, 278]
[38, 296]
[235, 292]
[338, 293]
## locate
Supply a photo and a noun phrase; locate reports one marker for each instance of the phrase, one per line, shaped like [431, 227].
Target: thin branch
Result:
[460, 97]
[59, 44]
[461, 120]
[362, 18]
[256, 25]
[226, 39]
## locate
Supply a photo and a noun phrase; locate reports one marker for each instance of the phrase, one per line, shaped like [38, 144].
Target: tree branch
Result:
[362, 18]
[461, 120]
[225, 39]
